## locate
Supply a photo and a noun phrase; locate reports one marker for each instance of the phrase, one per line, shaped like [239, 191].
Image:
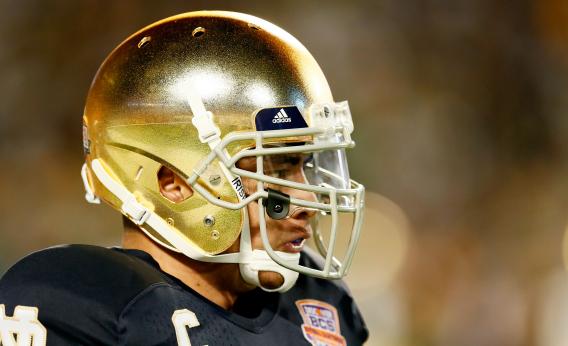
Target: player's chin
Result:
[270, 280]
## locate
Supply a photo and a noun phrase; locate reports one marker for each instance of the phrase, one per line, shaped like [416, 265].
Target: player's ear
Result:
[172, 186]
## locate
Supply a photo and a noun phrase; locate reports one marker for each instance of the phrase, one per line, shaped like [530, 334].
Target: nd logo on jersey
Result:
[23, 329]
[321, 323]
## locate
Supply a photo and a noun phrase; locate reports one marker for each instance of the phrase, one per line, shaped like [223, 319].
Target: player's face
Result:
[290, 233]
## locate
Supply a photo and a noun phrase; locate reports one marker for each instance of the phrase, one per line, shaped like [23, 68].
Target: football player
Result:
[216, 136]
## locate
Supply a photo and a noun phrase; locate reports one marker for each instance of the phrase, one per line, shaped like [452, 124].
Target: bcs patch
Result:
[321, 323]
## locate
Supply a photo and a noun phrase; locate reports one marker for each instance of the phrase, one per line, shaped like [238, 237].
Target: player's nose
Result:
[301, 212]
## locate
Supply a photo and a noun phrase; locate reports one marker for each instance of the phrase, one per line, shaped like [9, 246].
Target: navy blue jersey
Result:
[88, 295]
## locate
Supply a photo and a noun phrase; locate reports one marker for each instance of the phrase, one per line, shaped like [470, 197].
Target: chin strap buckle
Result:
[136, 211]
[206, 127]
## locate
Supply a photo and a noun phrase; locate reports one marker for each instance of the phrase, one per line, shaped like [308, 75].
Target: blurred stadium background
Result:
[460, 110]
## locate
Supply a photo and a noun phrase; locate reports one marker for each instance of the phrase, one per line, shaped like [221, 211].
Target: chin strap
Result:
[255, 261]
[141, 215]
[89, 194]
[261, 261]
[251, 262]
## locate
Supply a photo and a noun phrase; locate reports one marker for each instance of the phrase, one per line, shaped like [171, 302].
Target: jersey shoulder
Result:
[83, 270]
[78, 290]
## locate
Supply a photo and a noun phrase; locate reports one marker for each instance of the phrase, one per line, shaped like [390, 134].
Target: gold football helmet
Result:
[200, 93]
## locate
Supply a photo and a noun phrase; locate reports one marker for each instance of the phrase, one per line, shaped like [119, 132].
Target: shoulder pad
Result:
[85, 270]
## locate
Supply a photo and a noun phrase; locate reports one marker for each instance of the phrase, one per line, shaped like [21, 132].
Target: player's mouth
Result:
[296, 245]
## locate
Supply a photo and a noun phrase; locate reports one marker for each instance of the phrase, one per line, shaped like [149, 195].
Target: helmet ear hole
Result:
[173, 187]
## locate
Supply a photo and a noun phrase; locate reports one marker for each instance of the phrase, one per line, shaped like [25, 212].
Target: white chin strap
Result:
[252, 262]
[260, 261]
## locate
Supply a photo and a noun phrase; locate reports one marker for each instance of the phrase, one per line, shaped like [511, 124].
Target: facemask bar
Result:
[323, 248]
[339, 270]
[229, 162]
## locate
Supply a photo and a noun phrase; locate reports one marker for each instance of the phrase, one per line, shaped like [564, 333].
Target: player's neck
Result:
[219, 283]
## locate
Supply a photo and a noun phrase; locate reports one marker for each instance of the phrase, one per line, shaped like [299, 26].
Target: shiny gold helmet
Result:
[200, 93]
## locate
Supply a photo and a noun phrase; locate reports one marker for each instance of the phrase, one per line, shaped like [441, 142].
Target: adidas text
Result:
[281, 117]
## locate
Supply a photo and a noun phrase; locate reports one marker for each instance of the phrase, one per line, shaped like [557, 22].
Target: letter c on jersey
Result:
[182, 319]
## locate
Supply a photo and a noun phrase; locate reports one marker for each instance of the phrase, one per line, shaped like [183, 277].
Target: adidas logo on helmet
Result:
[281, 117]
